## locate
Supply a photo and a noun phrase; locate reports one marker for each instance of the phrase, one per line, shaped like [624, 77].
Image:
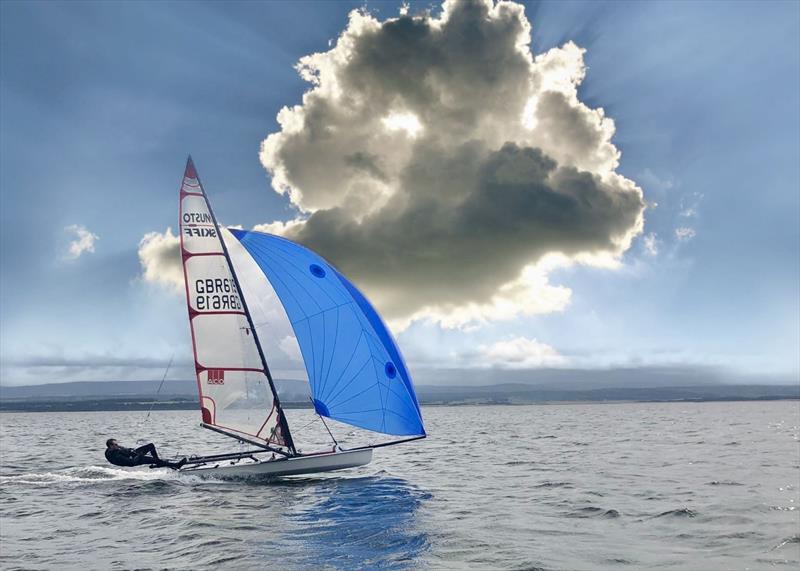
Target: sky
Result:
[516, 186]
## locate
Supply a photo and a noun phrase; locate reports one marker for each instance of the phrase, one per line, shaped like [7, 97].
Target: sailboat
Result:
[244, 288]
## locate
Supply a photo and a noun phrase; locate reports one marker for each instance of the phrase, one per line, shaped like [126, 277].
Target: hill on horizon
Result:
[182, 394]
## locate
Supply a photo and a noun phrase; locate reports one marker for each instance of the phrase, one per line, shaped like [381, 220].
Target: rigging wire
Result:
[152, 404]
[335, 442]
[164, 378]
[325, 424]
[307, 424]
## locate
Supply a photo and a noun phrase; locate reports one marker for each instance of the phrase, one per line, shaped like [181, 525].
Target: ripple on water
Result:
[619, 561]
[741, 535]
[681, 512]
[549, 484]
[593, 511]
[792, 540]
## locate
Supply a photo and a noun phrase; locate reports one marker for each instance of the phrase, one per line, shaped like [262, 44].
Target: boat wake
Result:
[86, 474]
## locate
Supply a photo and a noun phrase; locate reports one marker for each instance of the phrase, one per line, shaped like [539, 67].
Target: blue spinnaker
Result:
[354, 366]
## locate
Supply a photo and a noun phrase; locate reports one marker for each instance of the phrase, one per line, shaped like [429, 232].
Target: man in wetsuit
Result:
[146, 454]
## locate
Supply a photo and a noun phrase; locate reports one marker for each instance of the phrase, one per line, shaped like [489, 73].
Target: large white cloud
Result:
[438, 163]
[444, 168]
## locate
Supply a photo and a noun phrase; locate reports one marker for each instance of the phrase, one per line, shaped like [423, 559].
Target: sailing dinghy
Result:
[240, 286]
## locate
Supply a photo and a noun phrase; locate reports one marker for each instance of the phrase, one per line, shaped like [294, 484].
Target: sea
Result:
[567, 486]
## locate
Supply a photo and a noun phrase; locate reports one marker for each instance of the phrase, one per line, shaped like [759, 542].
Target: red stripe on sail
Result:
[186, 254]
[194, 313]
[211, 415]
[267, 419]
[203, 410]
[190, 172]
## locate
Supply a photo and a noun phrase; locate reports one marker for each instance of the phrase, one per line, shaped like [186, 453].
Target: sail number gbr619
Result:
[217, 294]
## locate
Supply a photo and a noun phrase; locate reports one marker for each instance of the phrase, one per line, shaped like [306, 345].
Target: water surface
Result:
[596, 486]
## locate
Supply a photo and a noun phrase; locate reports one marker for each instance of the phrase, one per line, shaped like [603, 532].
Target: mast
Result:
[281, 416]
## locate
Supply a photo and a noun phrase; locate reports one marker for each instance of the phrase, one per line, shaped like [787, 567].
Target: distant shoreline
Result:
[126, 405]
[182, 395]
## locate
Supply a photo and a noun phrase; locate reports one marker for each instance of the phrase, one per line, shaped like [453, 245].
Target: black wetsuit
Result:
[146, 454]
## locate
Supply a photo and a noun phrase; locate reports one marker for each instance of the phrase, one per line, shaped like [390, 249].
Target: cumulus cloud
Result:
[83, 241]
[438, 163]
[651, 243]
[277, 227]
[684, 233]
[160, 258]
[521, 353]
[530, 294]
[444, 168]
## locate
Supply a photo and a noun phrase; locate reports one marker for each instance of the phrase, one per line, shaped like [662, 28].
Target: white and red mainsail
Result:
[237, 395]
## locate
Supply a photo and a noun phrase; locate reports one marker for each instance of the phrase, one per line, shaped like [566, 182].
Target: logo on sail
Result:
[216, 377]
[197, 218]
[200, 232]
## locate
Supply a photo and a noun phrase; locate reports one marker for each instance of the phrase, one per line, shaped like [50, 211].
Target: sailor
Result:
[120, 456]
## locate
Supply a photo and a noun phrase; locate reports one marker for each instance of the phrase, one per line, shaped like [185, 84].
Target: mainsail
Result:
[237, 395]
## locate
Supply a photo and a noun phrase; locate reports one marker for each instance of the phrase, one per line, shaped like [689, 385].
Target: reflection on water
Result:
[358, 523]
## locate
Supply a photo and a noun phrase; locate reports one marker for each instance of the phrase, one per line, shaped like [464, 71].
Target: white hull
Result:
[248, 468]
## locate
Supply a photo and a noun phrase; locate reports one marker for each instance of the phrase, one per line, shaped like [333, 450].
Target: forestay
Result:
[355, 369]
[235, 392]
